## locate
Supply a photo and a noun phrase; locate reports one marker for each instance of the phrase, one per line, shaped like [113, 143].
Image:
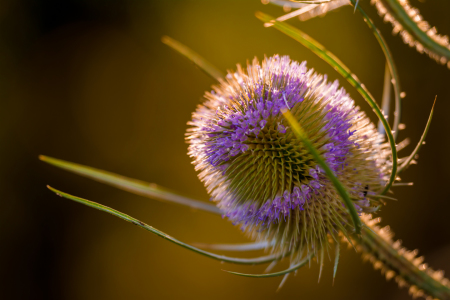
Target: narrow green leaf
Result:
[287, 271]
[410, 158]
[203, 64]
[392, 68]
[331, 59]
[135, 186]
[245, 261]
[300, 133]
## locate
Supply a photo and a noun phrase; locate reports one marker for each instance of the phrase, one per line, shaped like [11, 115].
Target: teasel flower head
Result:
[259, 173]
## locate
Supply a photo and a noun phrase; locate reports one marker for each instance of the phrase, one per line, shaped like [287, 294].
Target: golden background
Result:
[91, 82]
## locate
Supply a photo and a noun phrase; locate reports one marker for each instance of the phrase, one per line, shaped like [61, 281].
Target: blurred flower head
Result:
[259, 173]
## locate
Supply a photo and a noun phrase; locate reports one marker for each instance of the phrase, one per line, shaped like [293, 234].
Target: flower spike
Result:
[295, 186]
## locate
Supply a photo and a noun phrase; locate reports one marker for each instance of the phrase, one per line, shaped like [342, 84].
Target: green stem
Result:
[400, 263]
[391, 65]
[138, 187]
[222, 258]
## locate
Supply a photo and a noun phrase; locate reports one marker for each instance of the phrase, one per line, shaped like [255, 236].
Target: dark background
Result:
[90, 82]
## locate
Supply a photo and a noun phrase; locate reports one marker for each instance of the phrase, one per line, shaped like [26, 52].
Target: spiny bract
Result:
[259, 173]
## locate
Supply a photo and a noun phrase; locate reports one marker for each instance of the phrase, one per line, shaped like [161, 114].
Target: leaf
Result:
[392, 68]
[287, 271]
[135, 186]
[246, 261]
[199, 61]
[300, 133]
[410, 158]
[331, 59]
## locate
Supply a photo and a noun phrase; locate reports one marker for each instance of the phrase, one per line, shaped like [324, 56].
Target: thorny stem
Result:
[377, 246]
[417, 29]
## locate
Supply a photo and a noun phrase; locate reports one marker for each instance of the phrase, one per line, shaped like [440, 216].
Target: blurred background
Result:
[91, 82]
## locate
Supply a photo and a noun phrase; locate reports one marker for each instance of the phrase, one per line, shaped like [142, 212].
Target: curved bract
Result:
[222, 258]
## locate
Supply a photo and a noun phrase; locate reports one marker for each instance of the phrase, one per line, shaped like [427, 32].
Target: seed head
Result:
[259, 173]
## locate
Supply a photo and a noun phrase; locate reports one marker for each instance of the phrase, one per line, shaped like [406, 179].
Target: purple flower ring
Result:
[259, 173]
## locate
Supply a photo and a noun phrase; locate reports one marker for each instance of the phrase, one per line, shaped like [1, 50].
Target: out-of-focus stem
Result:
[393, 260]
[414, 30]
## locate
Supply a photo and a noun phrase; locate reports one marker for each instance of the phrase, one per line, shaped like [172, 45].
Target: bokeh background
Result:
[90, 82]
